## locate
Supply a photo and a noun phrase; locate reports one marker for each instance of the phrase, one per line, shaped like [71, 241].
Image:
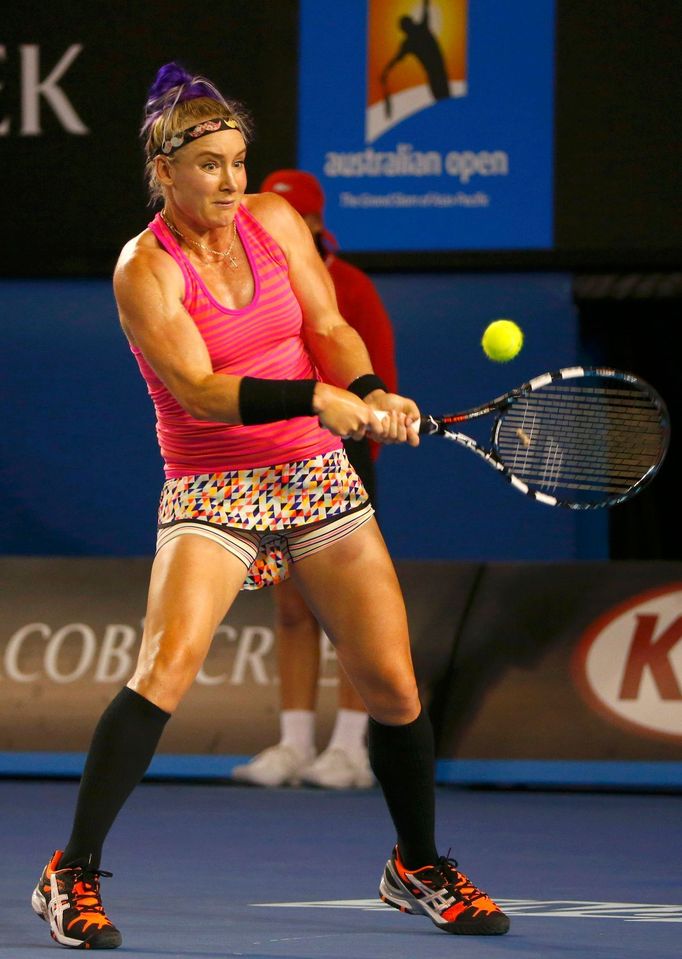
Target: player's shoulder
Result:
[139, 248]
[142, 257]
[278, 218]
[269, 208]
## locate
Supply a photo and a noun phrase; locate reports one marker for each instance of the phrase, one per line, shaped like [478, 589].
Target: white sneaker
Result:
[336, 768]
[276, 766]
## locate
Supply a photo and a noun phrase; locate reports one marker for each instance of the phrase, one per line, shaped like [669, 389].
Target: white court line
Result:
[543, 908]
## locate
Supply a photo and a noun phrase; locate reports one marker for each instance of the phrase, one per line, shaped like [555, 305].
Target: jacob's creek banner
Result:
[430, 124]
[517, 661]
[70, 631]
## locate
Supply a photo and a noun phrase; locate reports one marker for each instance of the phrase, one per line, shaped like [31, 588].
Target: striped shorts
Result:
[268, 517]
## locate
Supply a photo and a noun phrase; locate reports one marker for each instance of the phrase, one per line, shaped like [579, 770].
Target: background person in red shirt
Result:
[344, 763]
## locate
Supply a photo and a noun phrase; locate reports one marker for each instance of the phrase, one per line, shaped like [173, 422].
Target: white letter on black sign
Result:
[4, 125]
[32, 89]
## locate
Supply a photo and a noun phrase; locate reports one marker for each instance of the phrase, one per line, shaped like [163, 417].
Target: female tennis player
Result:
[255, 377]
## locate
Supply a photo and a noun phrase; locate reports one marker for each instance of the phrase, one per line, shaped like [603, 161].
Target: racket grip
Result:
[419, 425]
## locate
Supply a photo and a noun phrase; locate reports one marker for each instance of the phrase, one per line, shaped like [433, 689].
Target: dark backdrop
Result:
[73, 200]
[618, 133]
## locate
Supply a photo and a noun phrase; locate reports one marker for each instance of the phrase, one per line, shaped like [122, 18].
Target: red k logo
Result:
[628, 664]
[652, 652]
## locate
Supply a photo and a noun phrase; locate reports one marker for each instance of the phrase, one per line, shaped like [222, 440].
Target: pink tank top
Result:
[262, 339]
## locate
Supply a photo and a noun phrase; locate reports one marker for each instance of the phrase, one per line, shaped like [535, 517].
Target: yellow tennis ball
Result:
[502, 340]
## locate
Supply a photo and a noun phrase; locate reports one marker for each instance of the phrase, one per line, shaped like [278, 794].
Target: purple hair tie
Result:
[169, 76]
[173, 85]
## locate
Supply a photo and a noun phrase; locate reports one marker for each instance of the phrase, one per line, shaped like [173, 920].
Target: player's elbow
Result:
[205, 400]
[197, 409]
[194, 404]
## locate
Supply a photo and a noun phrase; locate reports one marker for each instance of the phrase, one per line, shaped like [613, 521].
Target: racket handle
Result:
[421, 425]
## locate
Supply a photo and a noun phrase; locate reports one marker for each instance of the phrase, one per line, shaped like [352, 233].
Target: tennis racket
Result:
[581, 437]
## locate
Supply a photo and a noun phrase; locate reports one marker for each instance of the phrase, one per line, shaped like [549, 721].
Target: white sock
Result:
[350, 730]
[297, 730]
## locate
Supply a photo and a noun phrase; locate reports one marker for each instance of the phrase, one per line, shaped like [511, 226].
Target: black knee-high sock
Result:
[122, 747]
[403, 760]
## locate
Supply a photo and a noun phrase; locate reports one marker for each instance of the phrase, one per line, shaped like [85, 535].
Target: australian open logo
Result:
[416, 57]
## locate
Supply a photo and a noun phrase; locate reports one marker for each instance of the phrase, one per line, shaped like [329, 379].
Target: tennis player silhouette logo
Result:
[416, 57]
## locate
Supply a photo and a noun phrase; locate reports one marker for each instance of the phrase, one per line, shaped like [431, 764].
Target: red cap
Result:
[301, 189]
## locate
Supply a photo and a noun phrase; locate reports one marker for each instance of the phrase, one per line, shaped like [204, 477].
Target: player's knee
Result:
[395, 702]
[165, 676]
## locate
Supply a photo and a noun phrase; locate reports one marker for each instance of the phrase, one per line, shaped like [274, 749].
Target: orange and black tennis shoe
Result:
[69, 900]
[445, 895]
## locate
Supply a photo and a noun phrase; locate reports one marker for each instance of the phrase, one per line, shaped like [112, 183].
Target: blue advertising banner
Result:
[430, 122]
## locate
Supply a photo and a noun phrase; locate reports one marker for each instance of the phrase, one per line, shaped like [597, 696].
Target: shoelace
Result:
[447, 868]
[86, 891]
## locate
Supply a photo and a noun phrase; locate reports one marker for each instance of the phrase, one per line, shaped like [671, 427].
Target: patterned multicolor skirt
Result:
[267, 512]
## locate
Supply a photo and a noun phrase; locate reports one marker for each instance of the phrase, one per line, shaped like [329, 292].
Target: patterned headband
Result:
[193, 133]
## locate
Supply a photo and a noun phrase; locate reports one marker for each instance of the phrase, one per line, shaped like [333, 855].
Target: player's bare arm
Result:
[338, 350]
[149, 287]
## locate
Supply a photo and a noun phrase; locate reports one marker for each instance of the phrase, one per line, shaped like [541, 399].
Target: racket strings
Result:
[593, 439]
[632, 442]
[623, 471]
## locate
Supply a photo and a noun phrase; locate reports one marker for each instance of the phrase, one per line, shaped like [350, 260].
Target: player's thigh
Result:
[353, 589]
[193, 583]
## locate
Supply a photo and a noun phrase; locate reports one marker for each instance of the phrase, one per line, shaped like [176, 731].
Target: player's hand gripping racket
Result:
[581, 437]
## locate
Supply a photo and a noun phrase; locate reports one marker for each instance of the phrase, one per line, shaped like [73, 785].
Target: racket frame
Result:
[442, 426]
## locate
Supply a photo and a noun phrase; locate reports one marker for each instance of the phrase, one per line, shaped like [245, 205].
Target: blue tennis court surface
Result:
[216, 871]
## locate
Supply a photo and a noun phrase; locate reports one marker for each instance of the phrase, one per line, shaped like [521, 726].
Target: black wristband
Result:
[363, 385]
[265, 401]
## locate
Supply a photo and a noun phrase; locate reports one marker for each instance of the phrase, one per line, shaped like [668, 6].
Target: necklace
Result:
[226, 254]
